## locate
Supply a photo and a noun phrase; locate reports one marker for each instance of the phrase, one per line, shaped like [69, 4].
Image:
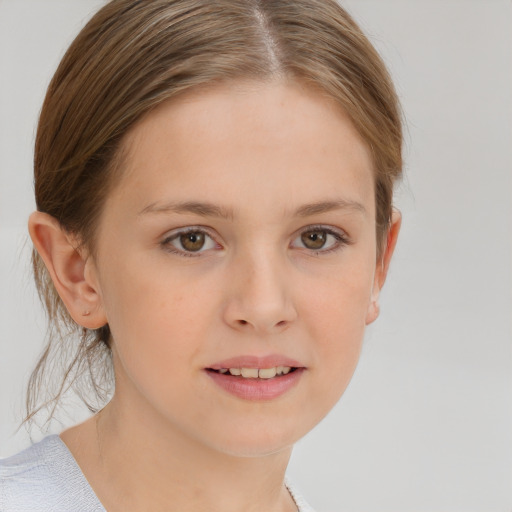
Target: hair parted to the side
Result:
[135, 54]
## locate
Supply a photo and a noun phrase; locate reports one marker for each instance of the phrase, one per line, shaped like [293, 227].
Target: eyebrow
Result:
[195, 207]
[327, 206]
[205, 209]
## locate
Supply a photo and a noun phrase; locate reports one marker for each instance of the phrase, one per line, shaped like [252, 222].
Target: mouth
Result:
[257, 377]
[275, 372]
[256, 384]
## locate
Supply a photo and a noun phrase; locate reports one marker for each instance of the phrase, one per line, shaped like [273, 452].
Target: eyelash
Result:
[166, 243]
[341, 238]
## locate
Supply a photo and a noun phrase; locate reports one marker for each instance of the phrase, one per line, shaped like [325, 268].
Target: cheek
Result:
[159, 335]
[342, 300]
[154, 315]
[336, 315]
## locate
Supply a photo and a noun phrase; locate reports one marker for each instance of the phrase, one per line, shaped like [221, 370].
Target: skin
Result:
[260, 152]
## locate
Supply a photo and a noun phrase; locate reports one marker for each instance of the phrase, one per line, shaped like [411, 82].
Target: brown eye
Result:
[189, 242]
[192, 241]
[314, 239]
[321, 240]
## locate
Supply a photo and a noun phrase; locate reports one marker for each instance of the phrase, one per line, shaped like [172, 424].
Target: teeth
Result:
[254, 373]
[267, 373]
[249, 373]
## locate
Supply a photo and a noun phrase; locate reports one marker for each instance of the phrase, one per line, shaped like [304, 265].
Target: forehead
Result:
[247, 141]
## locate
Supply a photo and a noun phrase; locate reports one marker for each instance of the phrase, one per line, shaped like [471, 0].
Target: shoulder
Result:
[27, 476]
[45, 477]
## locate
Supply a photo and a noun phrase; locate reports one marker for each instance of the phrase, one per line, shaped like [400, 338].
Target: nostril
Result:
[242, 322]
[281, 323]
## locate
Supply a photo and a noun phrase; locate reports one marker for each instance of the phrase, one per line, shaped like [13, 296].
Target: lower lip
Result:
[256, 389]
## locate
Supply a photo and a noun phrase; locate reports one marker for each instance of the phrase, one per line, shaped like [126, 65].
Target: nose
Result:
[260, 295]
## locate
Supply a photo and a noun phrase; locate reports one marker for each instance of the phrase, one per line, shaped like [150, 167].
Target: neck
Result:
[135, 464]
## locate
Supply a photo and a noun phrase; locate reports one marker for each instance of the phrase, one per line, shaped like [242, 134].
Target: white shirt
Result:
[46, 478]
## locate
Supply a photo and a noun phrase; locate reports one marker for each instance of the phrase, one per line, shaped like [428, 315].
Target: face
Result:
[242, 229]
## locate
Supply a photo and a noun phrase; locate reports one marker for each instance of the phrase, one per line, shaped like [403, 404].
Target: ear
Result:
[71, 270]
[383, 265]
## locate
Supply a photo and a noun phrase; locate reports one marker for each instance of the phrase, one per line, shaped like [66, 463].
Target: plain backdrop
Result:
[426, 423]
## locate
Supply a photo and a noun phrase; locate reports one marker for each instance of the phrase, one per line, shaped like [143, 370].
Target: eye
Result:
[320, 239]
[190, 241]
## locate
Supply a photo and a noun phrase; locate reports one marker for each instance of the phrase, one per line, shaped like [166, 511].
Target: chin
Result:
[258, 440]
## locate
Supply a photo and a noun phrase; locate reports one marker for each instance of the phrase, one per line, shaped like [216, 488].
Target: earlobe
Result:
[382, 268]
[373, 310]
[67, 267]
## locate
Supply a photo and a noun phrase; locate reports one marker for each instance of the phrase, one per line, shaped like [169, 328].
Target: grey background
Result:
[426, 424]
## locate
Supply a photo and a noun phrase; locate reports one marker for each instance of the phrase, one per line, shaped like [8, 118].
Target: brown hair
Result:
[135, 54]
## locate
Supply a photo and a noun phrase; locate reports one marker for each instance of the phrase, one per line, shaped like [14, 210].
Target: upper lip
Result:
[251, 361]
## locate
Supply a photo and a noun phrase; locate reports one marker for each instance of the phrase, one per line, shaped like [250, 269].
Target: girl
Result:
[214, 225]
